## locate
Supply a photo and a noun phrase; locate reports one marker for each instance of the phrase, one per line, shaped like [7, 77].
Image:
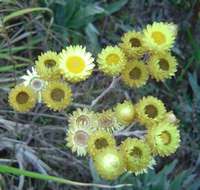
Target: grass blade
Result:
[11, 68]
[15, 171]
[26, 11]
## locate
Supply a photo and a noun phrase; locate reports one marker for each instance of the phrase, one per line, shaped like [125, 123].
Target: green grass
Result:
[15, 171]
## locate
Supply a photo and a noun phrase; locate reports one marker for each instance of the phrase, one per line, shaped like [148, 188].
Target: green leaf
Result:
[84, 16]
[114, 7]
[92, 36]
[178, 181]
[64, 11]
[168, 168]
[161, 181]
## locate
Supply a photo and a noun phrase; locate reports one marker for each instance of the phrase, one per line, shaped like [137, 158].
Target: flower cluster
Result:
[141, 54]
[48, 81]
[95, 134]
[138, 56]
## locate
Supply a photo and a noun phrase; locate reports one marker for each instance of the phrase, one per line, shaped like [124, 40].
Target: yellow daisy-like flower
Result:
[125, 112]
[132, 43]
[107, 121]
[160, 36]
[76, 64]
[168, 117]
[83, 117]
[77, 138]
[109, 163]
[163, 138]
[162, 66]
[47, 66]
[137, 154]
[150, 110]
[100, 140]
[151, 165]
[57, 95]
[22, 98]
[111, 60]
[135, 74]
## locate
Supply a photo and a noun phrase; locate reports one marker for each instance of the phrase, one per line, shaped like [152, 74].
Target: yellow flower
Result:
[160, 36]
[168, 117]
[135, 74]
[125, 112]
[100, 140]
[162, 66]
[150, 110]
[76, 64]
[163, 138]
[132, 43]
[22, 98]
[109, 163]
[84, 117]
[137, 154]
[57, 95]
[111, 60]
[77, 138]
[107, 121]
[47, 66]
[151, 165]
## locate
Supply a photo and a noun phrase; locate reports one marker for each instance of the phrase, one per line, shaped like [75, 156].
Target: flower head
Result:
[137, 154]
[109, 163]
[125, 112]
[76, 64]
[132, 43]
[83, 117]
[151, 165]
[135, 74]
[107, 121]
[111, 60]
[22, 98]
[57, 95]
[47, 65]
[77, 138]
[162, 66]
[149, 110]
[100, 140]
[163, 138]
[160, 36]
[33, 80]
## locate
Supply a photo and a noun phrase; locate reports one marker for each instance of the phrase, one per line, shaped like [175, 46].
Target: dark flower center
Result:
[101, 143]
[57, 94]
[22, 98]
